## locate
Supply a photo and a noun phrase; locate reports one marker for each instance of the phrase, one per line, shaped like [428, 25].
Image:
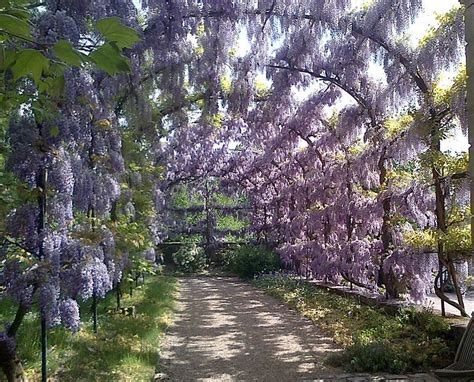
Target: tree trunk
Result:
[42, 186]
[265, 225]
[208, 218]
[10, 363]
[444, 258]
[118, 293]
[469, 22]
[388, 279]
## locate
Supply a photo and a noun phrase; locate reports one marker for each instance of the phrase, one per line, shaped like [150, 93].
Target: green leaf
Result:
[114, 31]
[9, 59]
[66, 53]
[2, 56]
[39, 113]
[58, 86]
[53, 86]
[54, 131]
[22, 14]
[108, 58]
[14, 26]
[29, 61]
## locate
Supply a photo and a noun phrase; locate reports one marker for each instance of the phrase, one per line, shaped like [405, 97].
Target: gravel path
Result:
[226, 330]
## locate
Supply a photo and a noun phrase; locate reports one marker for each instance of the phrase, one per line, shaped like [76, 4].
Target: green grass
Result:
[125, 348]
[373, 341]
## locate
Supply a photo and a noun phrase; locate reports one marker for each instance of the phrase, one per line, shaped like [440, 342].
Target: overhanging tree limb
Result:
[335, 81]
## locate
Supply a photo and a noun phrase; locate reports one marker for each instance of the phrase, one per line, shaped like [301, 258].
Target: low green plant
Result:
[431, 324]
[190, 258]
[250, 260]
[223, 258]
[373, 341]
[377, 356]
[125, 348]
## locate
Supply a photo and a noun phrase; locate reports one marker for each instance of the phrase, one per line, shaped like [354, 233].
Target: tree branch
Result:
[335, 81]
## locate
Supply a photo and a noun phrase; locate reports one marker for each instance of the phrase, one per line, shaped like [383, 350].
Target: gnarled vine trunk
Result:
[386, 278]
[10, 362]
[445, 259]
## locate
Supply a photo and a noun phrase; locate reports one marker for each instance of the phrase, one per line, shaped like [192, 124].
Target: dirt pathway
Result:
[226, 330]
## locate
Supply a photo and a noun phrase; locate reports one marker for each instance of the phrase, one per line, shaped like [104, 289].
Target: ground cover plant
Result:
[372, 340]
[127, 345]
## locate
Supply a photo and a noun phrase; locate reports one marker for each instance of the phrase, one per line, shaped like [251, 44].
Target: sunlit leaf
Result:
[29, 61]
[66, 53]
[109, 59]
[114, 31]
[14, 26]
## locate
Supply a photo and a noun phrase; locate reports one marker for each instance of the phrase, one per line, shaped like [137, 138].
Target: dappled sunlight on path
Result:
[227, 330]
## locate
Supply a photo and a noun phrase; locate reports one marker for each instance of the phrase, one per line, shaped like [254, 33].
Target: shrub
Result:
[223, 257]
[190, 258]
[250, 260]
[425, 320]
[397, 355]
[413, 340]
[375, 357]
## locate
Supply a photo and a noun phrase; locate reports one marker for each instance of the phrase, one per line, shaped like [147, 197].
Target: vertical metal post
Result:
[41, 183]
[442, 282]
[44, 350]
[118, 291]
[94, 312]
[208, 217]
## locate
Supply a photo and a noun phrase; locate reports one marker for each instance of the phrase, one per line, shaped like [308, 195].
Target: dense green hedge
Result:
[250, 260]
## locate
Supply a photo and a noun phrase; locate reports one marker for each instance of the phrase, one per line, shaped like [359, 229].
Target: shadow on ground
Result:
[228, 330]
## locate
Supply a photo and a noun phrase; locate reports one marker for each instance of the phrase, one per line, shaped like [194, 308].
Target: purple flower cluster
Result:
[48, 300]
[95, 279]
[69, 310]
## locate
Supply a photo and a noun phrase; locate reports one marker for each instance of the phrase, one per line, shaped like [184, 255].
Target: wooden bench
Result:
[462, 369]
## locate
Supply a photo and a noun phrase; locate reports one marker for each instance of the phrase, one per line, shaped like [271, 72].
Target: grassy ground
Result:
[125, 348]
[372, 340]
